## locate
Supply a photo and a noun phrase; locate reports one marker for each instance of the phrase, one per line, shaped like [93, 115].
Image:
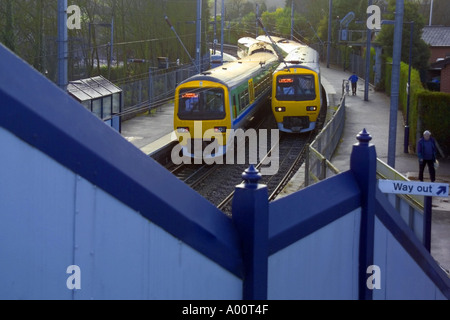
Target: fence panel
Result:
[318, 166]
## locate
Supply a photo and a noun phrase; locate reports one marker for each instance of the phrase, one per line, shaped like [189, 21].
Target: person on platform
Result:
[354, 80]
[426, 151]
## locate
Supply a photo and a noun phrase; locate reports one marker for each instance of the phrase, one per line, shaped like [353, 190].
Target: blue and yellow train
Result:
[210, 106]
[297, 93]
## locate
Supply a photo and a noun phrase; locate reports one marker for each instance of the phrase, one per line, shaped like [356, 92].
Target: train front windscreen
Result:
[295, 88]
[201, 104]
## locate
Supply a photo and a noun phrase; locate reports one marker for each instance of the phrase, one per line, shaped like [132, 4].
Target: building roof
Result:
[441, 64]
[436, 36]
[92, 88]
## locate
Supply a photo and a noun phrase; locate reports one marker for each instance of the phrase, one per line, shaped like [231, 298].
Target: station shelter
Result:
[101, 97]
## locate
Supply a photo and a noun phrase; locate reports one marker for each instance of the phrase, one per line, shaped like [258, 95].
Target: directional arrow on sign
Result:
[412, 187]
[442, 190]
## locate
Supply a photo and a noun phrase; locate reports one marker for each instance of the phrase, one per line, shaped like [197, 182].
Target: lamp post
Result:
[367, 75]
[198, 46]
[329, 32]
[62, 45]
[395, 83]
[431, 13]
[406, 138]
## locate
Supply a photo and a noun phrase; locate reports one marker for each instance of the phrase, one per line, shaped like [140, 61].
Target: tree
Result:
[441, 11]
[420, 50]
[30, 29]
[8, 33]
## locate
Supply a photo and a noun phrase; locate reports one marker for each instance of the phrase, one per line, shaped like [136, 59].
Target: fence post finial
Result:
[363, 164]
[250, 212]
[364, 137]
[251, 176]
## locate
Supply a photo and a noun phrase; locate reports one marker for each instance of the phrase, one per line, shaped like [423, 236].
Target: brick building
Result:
[438, 39]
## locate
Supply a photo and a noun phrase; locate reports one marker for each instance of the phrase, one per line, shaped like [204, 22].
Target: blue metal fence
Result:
[68, 199]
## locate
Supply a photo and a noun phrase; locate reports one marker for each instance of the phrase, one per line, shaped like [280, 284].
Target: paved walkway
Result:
[374, 116]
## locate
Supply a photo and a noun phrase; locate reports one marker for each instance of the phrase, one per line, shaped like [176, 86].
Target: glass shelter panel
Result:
[97, 107]
[116, 103]
[107, 107]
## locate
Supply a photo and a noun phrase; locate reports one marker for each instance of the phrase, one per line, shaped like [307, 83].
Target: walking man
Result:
[426, 151]
[354, 80]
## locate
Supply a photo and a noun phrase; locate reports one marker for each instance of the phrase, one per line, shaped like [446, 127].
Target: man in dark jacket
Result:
[426, 151]
[354, 80]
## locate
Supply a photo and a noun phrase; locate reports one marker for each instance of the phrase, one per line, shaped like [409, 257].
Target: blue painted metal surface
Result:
[302, 213]
[250, 214]
[67, 198]
[46, 118]
[363, 152]
[410, 271]
[321, 265]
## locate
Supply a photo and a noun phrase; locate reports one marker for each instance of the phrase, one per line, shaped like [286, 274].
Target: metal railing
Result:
[318, 167]
[317, 164]
[410, 207]
[156, 89]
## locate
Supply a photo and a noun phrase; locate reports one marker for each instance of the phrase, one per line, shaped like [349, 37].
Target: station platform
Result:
[150, 132]
[374, 116]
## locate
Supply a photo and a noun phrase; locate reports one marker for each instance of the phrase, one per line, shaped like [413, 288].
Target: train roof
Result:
[247, 41]
[261, 46]
[302, 57]
[233, 73]
[286, 45]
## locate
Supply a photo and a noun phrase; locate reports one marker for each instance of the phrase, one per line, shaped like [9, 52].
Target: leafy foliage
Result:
[420, 53]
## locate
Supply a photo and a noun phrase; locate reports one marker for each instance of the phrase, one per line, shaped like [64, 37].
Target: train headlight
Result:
[220, 129]
[183, 129]
[280, 109]
[311, 108]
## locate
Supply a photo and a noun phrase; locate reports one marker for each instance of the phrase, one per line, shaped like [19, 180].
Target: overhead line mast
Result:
[276, 48]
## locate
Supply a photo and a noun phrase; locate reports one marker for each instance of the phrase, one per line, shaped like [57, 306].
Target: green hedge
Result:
[433, 112]
[428, 110]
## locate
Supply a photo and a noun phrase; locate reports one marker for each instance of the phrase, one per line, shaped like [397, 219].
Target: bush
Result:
[428, 110]
[433, 110]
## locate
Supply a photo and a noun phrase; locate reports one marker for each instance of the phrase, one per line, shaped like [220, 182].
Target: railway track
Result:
[291, 154]
[192, 174]
[217, 182]
[195, 174]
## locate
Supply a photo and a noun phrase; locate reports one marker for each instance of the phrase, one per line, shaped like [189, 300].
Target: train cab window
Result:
[296, 88]
[204, 104]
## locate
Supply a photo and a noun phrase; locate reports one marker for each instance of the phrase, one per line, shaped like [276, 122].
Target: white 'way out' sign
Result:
[412, 187]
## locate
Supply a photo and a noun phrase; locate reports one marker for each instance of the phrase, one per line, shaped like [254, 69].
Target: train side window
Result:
[235, 106]
[244, 101]
[251, 91]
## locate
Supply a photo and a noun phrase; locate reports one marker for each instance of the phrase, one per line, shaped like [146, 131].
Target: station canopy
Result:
[97, 94]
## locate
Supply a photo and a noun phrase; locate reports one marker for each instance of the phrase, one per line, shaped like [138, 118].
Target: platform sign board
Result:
[430, 189]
